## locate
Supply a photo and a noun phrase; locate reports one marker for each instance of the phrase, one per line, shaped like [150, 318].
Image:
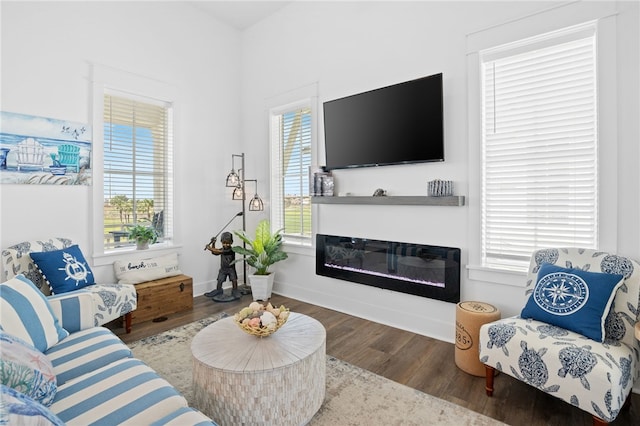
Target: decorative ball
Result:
[260, 320]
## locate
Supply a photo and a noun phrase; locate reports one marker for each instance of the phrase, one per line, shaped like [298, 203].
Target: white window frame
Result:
[556, 18]
[105, 79]
[524, 126]
[305, 96]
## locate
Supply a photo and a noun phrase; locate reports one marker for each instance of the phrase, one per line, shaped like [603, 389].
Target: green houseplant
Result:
[143, 235]
[260, 253]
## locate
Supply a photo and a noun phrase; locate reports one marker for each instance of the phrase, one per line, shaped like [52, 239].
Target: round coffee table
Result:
[243, 379]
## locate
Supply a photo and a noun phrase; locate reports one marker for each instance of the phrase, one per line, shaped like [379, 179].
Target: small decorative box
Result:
[440, 188]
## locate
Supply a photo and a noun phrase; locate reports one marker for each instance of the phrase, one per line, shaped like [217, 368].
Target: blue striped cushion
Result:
[124, 392]
[184, 416]
[26, 314]
[73, 310]
[86, 351]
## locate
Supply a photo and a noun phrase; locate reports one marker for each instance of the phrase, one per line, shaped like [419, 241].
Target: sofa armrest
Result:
[74, 310]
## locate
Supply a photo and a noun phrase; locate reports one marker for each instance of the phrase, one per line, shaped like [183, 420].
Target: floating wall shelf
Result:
[456, 200]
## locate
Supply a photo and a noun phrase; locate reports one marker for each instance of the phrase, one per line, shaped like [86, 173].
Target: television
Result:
[397, 124]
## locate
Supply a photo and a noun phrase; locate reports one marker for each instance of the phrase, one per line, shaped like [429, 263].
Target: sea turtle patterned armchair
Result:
[110, 301]
[595, 376]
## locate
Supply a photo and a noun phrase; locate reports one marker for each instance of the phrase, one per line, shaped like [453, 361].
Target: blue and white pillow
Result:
[573, 299]
[19, 409]
[65, 270]
[26, 314]
[26, 369]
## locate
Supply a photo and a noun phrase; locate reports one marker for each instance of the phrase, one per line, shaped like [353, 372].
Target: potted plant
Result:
[260, 253]
[143, 235]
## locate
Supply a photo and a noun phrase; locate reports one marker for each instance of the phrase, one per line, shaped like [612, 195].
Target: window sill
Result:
[298, 248]
[131, 253]
[497, 276]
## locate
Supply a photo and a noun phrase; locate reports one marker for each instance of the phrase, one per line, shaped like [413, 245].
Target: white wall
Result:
[47, 50]
[346, 48]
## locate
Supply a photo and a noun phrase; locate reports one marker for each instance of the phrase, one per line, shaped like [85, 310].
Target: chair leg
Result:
[627, 403]
[127, 322]
[597, 421]
[490, 374]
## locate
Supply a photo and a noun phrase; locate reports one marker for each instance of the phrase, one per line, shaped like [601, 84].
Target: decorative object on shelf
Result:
[327, 184]
[379, 193]
[264, 251]
[260, 320]
[320, 182]
[315, 186]
[440, 188]
[143, 235]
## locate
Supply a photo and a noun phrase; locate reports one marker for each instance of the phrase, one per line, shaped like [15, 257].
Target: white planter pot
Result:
[261, 286]
[142, 245]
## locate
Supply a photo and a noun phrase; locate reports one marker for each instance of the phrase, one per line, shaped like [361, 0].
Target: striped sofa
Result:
[97, 379]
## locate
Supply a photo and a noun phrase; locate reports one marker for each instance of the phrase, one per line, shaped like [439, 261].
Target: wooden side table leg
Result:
[127, 322]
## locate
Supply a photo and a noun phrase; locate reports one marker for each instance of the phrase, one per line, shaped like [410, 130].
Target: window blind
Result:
[540, 170]
[138, 184]
[291, 141]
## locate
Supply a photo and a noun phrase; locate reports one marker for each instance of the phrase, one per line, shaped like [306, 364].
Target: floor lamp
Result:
[238, 181]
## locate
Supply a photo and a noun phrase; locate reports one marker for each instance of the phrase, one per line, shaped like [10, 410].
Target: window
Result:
[539, 146]
[291, 137]
[137, 167]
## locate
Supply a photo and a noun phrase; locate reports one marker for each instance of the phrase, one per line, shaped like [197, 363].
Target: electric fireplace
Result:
[421, 270]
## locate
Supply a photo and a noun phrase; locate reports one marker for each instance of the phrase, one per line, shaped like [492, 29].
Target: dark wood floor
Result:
[417, 361]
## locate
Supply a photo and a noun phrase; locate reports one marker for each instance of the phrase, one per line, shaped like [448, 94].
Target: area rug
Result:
[354, 396]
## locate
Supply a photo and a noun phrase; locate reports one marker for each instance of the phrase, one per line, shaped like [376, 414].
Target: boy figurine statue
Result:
[227, 256]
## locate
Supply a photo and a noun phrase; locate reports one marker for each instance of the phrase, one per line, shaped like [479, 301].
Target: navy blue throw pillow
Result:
[573, 299]
[65, 270]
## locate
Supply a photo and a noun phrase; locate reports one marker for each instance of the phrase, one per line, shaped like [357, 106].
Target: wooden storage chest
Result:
[163, 297]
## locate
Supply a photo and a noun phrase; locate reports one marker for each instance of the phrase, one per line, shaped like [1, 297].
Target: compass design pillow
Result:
[65, 270]
[573, 299]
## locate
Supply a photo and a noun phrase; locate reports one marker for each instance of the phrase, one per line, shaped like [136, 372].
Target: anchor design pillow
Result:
[573, 299]
[64, 270]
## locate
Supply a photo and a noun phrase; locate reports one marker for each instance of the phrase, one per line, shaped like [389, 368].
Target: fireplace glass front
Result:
[421, 270]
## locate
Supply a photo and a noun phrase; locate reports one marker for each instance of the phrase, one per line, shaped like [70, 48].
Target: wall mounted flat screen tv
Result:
[397, 124]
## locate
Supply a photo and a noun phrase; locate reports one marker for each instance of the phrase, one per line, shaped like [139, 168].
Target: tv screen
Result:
[396, 124]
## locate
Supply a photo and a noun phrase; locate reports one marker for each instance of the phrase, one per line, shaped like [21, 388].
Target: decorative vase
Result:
[261, 286]
[142, 245]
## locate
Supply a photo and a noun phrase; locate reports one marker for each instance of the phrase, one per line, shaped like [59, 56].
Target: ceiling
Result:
[240, 14]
